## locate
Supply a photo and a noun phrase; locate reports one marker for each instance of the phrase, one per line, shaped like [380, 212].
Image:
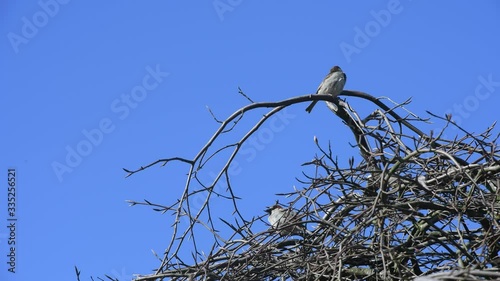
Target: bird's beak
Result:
[269, 210]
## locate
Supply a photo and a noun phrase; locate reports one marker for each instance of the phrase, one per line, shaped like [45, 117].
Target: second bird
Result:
[333, 84]
[285, 220]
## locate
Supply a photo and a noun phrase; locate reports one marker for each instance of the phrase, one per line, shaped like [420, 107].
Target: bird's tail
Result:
[310, 107]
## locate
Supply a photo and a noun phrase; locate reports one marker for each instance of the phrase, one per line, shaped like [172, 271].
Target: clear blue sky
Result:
[124, 83]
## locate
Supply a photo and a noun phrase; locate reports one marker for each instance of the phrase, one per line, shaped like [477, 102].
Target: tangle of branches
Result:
[414, 205]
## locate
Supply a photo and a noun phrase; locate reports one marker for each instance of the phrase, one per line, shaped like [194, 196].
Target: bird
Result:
[286, 221]
[333, 85]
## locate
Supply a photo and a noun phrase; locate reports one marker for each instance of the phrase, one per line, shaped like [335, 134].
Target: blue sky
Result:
[92, 87]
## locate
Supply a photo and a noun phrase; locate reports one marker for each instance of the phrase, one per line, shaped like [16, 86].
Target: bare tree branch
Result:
[416, 204]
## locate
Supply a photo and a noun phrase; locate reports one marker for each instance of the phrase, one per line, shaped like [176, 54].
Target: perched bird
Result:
[333, 84]
[285, 220]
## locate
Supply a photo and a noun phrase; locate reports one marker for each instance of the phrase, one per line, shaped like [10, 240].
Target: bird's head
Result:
[335, 69]
[276, 206]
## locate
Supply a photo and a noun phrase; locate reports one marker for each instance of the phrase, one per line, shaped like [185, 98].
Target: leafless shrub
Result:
[416, 205]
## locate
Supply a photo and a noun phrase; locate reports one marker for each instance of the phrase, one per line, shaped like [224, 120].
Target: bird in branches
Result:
[286, 221]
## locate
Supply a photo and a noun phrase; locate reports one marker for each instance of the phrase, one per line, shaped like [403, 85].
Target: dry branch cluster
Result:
[414, 205]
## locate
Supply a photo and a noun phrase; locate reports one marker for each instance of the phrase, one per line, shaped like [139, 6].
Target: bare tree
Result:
[414, 204]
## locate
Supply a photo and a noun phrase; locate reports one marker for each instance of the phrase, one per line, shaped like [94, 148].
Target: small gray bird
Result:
[285, 220]
[333, 84]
